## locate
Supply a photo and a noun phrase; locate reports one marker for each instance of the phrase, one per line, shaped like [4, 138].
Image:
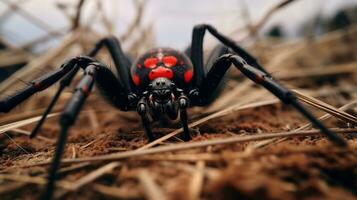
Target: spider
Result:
[160, 84]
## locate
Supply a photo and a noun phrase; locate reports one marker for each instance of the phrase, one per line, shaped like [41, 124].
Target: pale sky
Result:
[172, 19]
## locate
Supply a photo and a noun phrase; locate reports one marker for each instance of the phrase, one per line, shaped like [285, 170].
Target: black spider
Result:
[160, 84]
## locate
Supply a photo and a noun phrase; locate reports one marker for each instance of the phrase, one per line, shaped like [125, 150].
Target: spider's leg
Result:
[142, 109]
[250, 67]
[113, 91]
[67, 119]
[122, 64]
[203, 93]
[35, 86]
[63, 84]
[197, 50]
[121, 61]
[283, 94]
[93, 72]
[196, 54]
[261, 78]
[216, 52]
[183, 104]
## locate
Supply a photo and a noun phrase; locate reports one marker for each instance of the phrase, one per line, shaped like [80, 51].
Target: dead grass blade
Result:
[116, 192]
[152, 190]
[184, 146]
[326, 107]
[28, 133]
[196, 183]
[24, 122]
[93, 176]
[11, 187]
[33, 180]
[254, 28]
[342, 69]
[252, 147]
[6, 119]
[77, 18]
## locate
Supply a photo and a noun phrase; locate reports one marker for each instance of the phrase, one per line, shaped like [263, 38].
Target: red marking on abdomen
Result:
[136, 79]
[161, 72]
[188, 75]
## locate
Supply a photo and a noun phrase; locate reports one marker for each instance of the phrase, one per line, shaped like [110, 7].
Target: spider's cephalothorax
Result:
[162, 82]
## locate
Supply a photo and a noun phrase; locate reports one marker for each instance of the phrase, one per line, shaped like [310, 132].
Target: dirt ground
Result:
[299, 168]
[308, 167]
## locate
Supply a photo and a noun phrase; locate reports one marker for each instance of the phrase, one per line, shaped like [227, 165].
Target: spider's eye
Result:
[151, 62]
[169, 61]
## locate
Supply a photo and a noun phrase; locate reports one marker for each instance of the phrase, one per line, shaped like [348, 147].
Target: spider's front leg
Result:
[183, 105]
[142, 109]
[122, 64]
[38, 85]
[109, 86]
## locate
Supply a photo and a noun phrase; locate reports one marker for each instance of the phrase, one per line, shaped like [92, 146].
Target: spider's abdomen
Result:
[162, 62]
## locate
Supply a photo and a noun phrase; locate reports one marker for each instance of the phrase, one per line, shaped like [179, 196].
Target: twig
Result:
[253, 29]
[93, 176]
[14, 125]
[28, 133]
[93, 119]
[34, 180]
[74, 152]
[250, 148]
[326, 107]
[18, 124]
[77, 18]
[196, 183]
[341, 69]
[184, 146]
[187, 157]
[73, 167]
[268, 14]
[9, 187]
[152, 190]
[6, 119]
[120, 193]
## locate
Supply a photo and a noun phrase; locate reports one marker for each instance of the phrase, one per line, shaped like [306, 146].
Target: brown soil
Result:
[300, 168]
